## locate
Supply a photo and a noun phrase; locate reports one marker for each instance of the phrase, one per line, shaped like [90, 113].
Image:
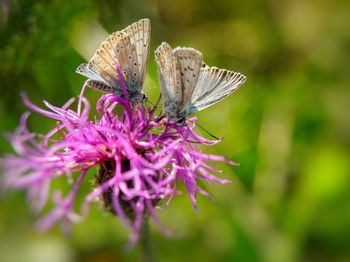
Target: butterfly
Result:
[188, 85]
[128, 49]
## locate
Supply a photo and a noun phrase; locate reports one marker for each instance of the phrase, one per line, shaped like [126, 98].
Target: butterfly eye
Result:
[144, 97]
[181, 121]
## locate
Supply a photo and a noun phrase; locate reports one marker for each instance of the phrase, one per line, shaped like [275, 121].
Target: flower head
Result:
[140, 158]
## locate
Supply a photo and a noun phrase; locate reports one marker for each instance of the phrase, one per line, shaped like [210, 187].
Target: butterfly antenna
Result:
[206, 131]
[147, 101]
[156, 105]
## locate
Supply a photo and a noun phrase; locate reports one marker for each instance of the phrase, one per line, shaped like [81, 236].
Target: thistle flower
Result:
[140, 158]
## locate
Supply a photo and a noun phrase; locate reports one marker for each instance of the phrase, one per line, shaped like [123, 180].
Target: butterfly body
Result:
[127, 50]
[178, 71]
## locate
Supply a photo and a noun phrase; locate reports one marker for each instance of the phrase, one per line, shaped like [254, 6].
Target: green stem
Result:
[147, 251]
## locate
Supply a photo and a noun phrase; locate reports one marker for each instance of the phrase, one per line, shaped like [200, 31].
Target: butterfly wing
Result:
[189, 63]
[90, 73]
[140, 36]
[169, 78]
[213, 85]
[95, 80]
[129, 50]
[117, 50]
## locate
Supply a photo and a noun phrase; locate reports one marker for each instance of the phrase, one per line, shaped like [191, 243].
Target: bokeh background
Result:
[288, 125]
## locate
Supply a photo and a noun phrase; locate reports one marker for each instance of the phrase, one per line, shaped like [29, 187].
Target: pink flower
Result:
[139, 154]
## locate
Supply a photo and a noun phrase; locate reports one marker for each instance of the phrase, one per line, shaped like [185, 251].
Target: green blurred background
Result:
[288, 125]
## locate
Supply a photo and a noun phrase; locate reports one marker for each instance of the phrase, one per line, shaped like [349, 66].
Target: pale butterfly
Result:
[188, 85]
[129, 49]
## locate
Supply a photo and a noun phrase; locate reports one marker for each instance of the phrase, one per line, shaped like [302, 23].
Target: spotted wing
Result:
[118, 49]
[115, 51]
[140, 36]
[213, 85]
[169, 76]
[189, 63]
